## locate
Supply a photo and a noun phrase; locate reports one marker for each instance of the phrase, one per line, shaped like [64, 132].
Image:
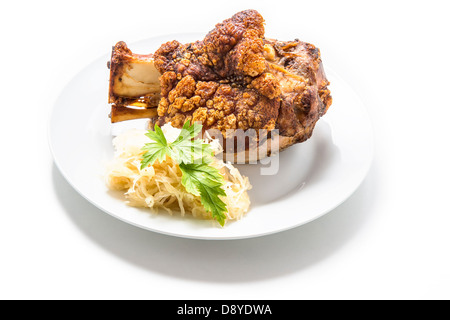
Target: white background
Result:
[390, 240]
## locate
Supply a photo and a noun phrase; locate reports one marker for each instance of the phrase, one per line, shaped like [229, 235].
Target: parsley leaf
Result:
[194, 158]
[156, 150]
[206, 181]
[185, 149]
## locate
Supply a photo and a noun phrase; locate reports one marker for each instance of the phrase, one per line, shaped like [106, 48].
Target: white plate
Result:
[314, 177]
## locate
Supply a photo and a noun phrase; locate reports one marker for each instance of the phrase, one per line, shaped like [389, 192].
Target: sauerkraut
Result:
[159, 186]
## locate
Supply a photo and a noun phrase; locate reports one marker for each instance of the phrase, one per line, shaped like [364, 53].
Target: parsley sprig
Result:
[194, 158]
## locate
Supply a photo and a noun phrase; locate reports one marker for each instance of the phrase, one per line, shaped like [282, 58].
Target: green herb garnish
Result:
[194, 158]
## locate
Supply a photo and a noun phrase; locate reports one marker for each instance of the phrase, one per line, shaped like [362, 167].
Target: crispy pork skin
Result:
[234, 78]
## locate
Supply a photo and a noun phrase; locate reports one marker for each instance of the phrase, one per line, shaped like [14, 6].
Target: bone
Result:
[131, 75]
[119, 113]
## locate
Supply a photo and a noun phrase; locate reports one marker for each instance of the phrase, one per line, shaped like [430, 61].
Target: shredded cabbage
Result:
[159, 186]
